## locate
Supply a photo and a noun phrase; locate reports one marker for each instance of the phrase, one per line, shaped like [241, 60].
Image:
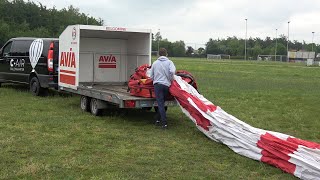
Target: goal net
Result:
[218, 56]
[271, 57]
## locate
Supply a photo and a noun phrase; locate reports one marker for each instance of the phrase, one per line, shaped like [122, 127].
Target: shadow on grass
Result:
[16, 87]
[25, 88]
[132, 115]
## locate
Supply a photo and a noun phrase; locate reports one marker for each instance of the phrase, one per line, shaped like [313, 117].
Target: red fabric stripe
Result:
[66, 71]
[211, 107]
[182, 97]
[275, 152]
[107, 66]
[308, 144]
[67, 79]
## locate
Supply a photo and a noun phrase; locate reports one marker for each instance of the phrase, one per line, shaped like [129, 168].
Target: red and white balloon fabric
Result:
[298, 157]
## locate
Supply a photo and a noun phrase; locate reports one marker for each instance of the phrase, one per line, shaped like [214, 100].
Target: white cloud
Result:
[195, 21]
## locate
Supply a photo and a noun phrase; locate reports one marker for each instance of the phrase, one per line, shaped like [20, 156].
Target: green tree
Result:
[189, 51]
[201, 50]
[178, 49]
[212, 47]
[30, 19]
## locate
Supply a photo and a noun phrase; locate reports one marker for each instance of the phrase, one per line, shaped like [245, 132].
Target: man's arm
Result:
[172, 70]
[152, 72]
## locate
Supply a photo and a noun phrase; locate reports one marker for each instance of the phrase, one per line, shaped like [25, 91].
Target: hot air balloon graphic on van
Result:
[35, 52]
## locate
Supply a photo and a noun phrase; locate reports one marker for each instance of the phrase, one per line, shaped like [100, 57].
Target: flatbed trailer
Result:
[96, 62]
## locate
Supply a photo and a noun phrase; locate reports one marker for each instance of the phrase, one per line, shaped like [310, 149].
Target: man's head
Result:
[163, 52]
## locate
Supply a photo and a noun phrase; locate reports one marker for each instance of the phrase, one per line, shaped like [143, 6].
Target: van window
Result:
[6, 49]
[21, 48]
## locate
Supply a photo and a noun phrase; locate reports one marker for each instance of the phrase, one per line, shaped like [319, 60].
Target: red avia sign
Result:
[67, 61]
[107, 61]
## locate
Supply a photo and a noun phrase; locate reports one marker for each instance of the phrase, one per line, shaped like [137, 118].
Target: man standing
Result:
[162, 72]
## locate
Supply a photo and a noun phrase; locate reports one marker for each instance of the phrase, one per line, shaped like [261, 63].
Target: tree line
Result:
[19, 18]
[235, 47]
[28, 19]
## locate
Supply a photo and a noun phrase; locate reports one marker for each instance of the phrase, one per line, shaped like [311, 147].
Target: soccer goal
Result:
[271, 57]
[218, 56]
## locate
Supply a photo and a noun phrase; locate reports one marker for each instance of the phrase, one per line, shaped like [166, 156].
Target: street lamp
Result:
[275, 51]
[312, 40]
[245, 41]
[158, 41]
[87, 19]
[288, 43]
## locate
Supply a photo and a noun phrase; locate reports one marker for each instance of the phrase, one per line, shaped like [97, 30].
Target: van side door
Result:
[20, 60]
[5, 61]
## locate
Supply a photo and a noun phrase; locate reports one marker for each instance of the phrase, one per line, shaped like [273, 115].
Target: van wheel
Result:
[35, 86]
[94, 107]
[85, 103]
[36, 89]
[0, 84]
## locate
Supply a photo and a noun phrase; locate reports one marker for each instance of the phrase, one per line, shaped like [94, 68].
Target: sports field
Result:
[51, 138]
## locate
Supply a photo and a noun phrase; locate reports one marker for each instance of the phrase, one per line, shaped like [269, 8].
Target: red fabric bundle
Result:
[141, 85]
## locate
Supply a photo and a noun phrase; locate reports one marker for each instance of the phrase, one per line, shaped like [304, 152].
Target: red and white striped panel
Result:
[298, 157]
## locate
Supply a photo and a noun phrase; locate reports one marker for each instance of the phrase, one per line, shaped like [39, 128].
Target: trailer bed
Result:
[121, 91]
[116, 94]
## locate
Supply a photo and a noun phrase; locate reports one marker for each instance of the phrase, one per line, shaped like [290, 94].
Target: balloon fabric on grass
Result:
[295, 156]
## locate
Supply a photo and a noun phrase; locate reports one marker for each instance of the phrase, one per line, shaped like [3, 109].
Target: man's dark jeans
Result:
[161, 92]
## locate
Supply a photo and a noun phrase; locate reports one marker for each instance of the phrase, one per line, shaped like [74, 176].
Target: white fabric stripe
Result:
[307, 162]
[243, 138]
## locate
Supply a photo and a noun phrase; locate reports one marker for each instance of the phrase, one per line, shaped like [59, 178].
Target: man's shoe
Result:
[157, 123]
[165, 126]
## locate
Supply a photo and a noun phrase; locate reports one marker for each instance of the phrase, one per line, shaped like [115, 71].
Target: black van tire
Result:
[85, 103]
[0, 84]
[94, 107]
[36, 89]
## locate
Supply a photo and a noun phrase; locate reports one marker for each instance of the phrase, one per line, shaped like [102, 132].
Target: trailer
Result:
[96, 62]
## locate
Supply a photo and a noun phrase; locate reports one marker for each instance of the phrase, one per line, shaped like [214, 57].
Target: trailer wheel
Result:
[85, 103]
[94, 107]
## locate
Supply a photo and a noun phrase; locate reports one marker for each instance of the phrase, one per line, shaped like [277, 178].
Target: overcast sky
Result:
[195, 21]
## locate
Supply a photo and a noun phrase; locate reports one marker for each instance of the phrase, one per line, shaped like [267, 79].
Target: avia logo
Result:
[68, 59]
[107, 61]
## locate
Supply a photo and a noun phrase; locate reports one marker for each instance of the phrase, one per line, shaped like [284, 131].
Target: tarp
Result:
[295, 156]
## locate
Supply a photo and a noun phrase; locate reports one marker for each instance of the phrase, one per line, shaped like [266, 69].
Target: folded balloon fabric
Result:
[295, 156]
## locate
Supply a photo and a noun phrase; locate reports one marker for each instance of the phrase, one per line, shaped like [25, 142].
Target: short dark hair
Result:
[163, 52]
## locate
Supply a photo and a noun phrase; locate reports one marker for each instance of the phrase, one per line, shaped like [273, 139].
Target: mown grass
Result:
[51, 138]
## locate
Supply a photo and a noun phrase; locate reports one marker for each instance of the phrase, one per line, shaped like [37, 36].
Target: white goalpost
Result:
[271, 57]
[218, 56]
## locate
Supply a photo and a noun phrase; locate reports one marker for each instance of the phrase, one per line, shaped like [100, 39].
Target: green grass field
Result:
[51, 138]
